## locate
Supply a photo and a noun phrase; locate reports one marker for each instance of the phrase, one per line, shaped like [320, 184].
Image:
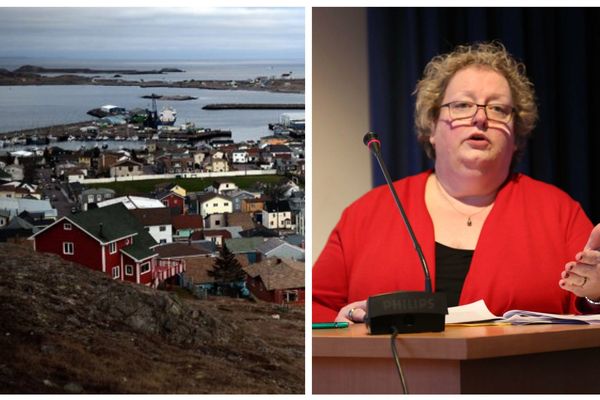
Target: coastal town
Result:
[162, 214]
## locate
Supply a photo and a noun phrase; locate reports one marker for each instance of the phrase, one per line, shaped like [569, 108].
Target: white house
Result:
[157, 222]
[277, 215]
[222, 185]
[126, 168]
[240, 157]
[213, 203]
[219, 165]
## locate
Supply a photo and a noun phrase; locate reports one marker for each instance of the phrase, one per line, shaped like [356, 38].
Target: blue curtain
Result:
[561, 50]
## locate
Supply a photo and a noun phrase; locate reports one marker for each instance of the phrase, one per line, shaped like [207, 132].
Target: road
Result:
[55, 191]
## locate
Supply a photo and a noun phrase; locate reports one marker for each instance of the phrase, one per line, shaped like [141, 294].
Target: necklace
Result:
[445, 196]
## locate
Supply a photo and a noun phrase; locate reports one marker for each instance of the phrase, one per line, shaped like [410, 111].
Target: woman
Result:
[486, 232]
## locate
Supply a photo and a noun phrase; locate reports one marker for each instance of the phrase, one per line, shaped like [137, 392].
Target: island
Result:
[31, 75]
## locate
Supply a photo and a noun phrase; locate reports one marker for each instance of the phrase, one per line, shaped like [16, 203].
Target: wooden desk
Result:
[483, 359]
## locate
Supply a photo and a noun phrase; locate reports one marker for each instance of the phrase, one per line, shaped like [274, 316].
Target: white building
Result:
[240, 157]
[213, 203]
[277, 215]
[157, 222]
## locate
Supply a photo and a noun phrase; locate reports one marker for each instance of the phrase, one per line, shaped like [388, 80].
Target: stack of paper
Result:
[478, 312]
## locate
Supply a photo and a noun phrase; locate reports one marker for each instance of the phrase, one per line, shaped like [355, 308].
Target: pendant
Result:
[469, 223]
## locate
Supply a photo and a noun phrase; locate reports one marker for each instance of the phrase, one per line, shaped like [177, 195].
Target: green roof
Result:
[139, 251]
[107, 223]
[244, 245]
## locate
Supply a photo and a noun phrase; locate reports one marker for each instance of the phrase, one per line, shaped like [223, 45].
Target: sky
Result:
[171, 33]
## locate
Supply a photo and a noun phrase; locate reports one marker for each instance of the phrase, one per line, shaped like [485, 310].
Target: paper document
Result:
[478, 312]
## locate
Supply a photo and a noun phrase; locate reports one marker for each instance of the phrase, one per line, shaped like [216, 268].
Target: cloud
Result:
[175, 32]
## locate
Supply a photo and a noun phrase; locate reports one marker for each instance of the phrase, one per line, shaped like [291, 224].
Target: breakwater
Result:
[253, 106]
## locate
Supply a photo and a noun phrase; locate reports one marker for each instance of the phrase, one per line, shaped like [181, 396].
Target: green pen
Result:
[329, 325]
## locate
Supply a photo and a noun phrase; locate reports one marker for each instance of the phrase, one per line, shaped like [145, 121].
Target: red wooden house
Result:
[172, 200]
[276, 280]
[110, 240]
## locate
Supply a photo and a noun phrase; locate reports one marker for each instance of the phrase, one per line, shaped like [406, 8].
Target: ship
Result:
[167, 116]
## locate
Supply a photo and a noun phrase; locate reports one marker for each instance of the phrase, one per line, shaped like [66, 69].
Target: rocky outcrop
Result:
[67, 329]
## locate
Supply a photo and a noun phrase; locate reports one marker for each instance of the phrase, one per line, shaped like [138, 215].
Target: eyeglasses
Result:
[467, 109]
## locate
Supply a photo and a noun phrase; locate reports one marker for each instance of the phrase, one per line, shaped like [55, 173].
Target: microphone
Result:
[404, 312]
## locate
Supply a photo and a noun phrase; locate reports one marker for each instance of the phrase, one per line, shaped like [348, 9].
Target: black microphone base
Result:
[407, 312]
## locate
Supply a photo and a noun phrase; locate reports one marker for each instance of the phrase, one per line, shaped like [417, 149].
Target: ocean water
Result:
[27, 107]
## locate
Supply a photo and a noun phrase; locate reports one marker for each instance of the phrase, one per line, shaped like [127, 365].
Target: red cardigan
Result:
[532, 231]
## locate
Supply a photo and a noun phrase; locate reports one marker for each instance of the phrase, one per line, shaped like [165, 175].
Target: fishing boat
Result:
[167, 116]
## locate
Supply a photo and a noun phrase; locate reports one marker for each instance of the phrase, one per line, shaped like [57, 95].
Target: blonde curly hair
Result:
[438, 72]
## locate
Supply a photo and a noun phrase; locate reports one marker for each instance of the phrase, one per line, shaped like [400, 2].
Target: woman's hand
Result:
[353, 312]
[582, 276]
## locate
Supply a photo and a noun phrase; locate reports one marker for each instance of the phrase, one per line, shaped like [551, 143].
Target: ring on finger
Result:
[350, 314]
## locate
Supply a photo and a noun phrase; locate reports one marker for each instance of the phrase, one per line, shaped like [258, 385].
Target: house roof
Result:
[270, 244]
[164, 194]
[244, 245]
[277, 273]
[152, 216]
[219, 181]
[197, 268]
[217, 232]
[187, 222]
[18, 205]
[19, 223]
[295, 240]
[139, 250]
[132, 202]
[240, 219]
[107, 224]
[280, 206]
[127, 162]
[260, 230]
[95, 191]
[279, 148]
[178, 250]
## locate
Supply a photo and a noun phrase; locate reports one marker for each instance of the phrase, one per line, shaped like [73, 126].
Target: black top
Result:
[451, 267]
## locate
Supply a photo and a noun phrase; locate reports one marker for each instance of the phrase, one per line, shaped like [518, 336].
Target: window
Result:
[163, 241]
[68, 248]
[215, 204]
[272, 223]
[90, 198]
[112, 247]
[226, 204]
[217, 222]
[129, 270]
[67, 226]
[165, 202]
[145, 268]
[162, 228]
[116, 272]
